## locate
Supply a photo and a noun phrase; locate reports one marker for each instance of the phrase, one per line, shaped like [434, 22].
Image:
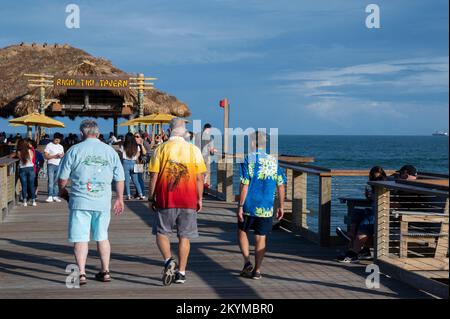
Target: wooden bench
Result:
[423, 233]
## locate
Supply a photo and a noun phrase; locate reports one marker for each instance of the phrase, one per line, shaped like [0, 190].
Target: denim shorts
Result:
[184, 220]
[261, 225]
[83, 223]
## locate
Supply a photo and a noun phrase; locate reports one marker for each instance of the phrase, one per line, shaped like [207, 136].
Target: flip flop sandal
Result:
[83, 280]
[103, 276]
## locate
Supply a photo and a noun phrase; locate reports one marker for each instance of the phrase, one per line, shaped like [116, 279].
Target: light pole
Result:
[41, 81]
[140, 84]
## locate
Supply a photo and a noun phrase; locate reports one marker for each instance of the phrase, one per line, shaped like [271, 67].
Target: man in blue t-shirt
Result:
[91, 167]
[260, 177]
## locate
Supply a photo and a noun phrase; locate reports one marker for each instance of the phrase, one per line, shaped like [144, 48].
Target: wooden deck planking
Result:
[34, 253]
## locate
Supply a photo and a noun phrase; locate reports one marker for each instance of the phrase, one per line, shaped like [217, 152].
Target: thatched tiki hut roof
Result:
[17, 98]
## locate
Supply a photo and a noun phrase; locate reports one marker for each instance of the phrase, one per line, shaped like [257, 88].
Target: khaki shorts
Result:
[182, 219]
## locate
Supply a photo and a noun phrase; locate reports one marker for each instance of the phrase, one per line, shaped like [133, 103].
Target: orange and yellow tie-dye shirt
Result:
[177, 163]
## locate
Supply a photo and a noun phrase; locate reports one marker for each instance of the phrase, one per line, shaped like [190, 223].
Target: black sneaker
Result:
[365, 254]
[169, 272]
[256, 275]
[180, 278]
[247, 271]
[349, 258]
[343, 234]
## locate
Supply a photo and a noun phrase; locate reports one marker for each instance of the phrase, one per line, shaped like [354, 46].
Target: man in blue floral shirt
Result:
[260, 176]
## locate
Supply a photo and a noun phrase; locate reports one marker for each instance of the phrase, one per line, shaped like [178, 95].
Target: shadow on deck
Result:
[34, 254]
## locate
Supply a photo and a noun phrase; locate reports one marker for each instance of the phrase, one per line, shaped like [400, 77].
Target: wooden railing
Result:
[411, 232]
[313, 194]
[8, 178]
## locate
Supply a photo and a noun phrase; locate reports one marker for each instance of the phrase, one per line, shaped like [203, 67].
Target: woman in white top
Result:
[130, 154]
[27, 173]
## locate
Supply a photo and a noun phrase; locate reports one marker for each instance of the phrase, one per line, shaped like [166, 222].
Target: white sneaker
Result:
[25, 204]
[49, 199]
[34, 203]
[56, 199]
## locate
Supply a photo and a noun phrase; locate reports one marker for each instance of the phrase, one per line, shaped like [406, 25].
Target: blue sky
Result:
[306, 67]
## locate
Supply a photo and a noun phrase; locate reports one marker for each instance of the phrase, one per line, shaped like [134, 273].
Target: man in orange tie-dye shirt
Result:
[176, 187]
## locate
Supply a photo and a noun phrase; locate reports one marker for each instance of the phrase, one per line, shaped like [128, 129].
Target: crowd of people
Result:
[177, 162]
[177, 179]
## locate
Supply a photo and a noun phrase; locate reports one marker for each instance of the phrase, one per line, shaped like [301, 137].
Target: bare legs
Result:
[184, 247]
[260, 248]
[104, 249]
[81, 253]
[244, 245]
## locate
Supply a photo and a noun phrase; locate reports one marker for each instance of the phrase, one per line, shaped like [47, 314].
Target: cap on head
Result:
[408, 169]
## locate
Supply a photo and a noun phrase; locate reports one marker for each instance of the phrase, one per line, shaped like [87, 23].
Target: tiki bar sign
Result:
[92, 83]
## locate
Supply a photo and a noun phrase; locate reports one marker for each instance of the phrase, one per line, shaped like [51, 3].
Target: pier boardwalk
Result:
[34, 254]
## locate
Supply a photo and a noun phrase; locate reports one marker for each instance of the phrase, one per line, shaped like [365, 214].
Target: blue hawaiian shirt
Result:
[263, 174]
[91, 167]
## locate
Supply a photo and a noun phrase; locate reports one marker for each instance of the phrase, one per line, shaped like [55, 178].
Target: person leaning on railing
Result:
[362, 225]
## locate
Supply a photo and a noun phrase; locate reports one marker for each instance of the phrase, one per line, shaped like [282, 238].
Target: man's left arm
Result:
[200, 169]
[281, 181]
[65, 168]
[119, 178]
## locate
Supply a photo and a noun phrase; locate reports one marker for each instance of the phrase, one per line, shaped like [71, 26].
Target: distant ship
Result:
[440, 133]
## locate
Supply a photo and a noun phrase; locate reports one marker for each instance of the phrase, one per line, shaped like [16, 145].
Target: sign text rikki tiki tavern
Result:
[92, 83]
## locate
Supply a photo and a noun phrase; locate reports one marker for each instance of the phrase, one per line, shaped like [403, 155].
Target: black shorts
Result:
[261, 225]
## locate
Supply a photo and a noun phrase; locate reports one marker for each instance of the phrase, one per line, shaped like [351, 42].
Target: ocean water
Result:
[427, 153]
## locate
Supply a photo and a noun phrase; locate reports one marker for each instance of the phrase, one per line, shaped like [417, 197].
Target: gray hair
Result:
[259, 138]
[89, 128]
[177, 127]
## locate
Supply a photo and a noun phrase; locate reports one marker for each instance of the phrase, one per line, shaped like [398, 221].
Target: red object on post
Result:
[223, 103]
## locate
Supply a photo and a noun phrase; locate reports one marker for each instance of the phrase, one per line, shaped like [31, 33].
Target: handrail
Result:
[316, 170]
[392, 185]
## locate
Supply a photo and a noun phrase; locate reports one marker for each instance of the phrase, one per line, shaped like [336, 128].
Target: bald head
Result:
[177, 127]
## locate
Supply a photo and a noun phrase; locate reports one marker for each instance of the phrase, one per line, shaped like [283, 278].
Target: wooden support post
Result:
[324, 210]
[141, 98]
[115, 126]
[220, 175]
[226, 125]
[381, 231]
[228, 182]
[298, 190]
[403, 241]
[442, 242]
[30, 132]
[289, 173]
[40, 131]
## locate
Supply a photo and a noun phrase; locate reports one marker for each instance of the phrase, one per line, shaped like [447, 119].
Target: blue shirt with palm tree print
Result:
[263, 174]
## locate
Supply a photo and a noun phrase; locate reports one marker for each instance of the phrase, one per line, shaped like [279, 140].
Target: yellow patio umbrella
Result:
[150, 119]
[37, 120]
[157, 118]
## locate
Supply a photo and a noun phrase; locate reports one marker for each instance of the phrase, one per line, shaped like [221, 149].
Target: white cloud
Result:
[376, 89]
